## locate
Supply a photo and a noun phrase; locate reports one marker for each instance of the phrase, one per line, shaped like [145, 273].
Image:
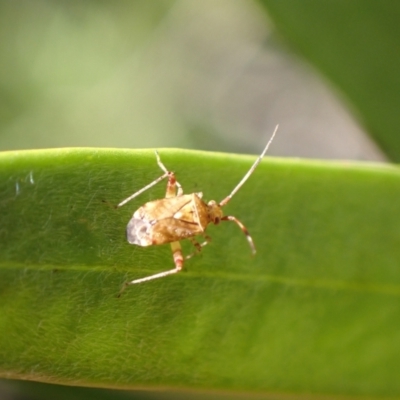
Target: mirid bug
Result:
[179, 216]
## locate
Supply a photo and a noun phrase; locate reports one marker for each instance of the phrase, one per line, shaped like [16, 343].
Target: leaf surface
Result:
[314, 311]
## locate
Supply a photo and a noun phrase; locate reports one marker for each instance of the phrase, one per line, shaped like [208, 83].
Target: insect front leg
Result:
[198, 245]
[244, 230]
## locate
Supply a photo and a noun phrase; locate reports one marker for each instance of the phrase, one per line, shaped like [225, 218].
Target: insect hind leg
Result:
[151, 277]
[175, 246]
[178, 260]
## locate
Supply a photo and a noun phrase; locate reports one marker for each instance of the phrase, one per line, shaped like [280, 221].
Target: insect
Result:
[179, 216]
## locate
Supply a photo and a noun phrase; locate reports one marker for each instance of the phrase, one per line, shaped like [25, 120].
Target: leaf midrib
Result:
[330, 284]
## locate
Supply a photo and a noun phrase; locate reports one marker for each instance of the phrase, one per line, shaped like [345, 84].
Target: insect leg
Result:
[198, 245]
[178, 259]
[171, 192]
[243, 228]
[172, 182]
[123, 202]
[176, 248]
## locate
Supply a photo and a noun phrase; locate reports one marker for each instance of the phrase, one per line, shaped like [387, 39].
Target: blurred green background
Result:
[215, 75]
[212, 75]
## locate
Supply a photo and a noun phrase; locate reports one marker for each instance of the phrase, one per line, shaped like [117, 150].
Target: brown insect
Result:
[179, 216]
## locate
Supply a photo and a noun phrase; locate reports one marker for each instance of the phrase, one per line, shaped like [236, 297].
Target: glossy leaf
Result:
[314, 311]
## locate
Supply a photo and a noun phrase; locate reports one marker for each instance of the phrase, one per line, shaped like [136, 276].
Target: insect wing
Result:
[195, 211]
[159, 222]
[163, 208]
[173, 230]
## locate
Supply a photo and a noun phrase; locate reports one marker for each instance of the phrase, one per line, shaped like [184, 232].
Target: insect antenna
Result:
[250, 171]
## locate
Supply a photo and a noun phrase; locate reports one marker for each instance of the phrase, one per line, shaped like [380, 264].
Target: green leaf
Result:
[314, 311]
[354, 44]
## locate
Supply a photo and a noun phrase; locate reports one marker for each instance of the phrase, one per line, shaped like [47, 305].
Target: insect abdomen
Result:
[138, 232]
